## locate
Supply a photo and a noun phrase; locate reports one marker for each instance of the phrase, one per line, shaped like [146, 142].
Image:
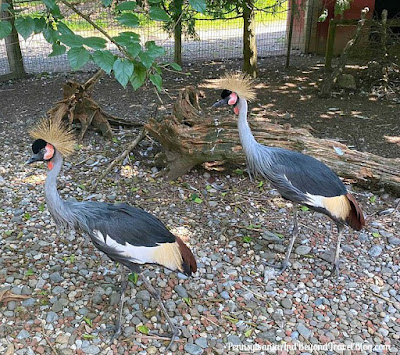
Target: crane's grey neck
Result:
[58, 208]
[257, 155]
[246, 137]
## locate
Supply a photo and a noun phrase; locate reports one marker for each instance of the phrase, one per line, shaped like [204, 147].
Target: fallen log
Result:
[191, 137]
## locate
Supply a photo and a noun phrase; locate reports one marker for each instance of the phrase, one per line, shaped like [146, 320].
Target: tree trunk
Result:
[191, 137]
[177, 17]
[249, 39]
[14, 55]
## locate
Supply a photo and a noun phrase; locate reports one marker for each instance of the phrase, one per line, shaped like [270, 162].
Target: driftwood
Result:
[78, 106]
[191, 137]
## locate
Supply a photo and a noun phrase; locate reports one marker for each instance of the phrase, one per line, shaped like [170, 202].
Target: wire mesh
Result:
[217, 39]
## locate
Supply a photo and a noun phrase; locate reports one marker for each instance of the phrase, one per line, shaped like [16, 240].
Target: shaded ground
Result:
[234, 298]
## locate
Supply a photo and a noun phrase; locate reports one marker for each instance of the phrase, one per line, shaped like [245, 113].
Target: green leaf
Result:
[88, 321]
[158, 14]
[134, 49]
[154, 50]
[49, 34]
[127, 38]
[248, 332]
[40, 24]
[188, 301]
[376, 235]
[123, 70]
[198, 5]
[51, 4]
[175, 66]
[238, 171]
[106, 3]
[139, 76]
[78, 57]
[88, 336]
[25, 26]
[127, 5]
[95, 42]
[64, 29]
[4, 6]
[260, 184]
[247, 239]
[129, 20]
[372, 198]
[304, 208]
[58, 49]
[104, 59]
[146, 60]
[133, 277]
[29, 272]
[27, 216]
[142, 329]
[5, 29]
[72, 40]
[194, 197]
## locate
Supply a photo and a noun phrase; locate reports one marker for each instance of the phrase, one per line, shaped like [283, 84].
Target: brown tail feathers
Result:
[355, 218]
[189, 264]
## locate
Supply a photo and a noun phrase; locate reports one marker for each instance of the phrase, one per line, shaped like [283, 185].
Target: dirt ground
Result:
[284, 96]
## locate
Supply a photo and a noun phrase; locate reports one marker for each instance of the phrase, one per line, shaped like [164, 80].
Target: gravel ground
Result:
[234, 227]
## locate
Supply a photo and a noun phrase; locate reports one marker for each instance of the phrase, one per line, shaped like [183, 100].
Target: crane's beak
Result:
[34, 158]
[220, 103]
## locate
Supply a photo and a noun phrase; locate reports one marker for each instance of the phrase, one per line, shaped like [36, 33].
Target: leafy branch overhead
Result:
[123, 55]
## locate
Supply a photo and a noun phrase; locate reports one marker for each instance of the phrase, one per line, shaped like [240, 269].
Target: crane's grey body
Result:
[293, 174]
[126, 234]
[124, 224]
[297, 177]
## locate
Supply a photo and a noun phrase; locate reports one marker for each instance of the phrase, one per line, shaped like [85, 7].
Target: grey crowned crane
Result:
[127, 235]
[297, 177]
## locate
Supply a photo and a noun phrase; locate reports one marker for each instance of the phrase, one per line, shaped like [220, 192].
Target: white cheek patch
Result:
[232, 99]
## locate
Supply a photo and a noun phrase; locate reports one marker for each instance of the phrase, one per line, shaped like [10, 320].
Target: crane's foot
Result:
[335, 268]
[280, 268]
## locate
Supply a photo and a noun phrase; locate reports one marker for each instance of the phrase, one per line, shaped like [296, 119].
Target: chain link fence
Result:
[215, 39]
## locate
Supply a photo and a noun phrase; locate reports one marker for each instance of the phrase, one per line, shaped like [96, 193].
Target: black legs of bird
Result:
[295, 232]
[297, 177]
[153, 292]
[127, 235]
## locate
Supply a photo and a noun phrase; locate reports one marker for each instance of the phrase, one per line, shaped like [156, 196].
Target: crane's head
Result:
[42, 151]
[228, 98]
[235, 87]
[51, 137]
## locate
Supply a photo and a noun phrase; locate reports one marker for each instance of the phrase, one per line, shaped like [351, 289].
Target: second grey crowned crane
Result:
[127, 235]
[297, 177]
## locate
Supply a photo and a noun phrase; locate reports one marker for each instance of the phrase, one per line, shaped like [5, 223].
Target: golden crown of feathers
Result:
[55, 133]
[241, 84]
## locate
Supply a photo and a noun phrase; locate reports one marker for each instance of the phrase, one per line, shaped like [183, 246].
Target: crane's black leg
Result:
[335, 267]
[156, 295]
[124, 284]
[295, 232]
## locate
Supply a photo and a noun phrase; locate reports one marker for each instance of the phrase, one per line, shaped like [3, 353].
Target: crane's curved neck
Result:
[57, 207]
[246, 137]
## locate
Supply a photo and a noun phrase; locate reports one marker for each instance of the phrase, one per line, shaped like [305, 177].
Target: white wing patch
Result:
[139, 255]
[315, 200]
[166, 254]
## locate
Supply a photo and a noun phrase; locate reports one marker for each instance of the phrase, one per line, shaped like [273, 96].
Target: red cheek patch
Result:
[49, 152]
[236, 110]
[50, 165]
[232, 99]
